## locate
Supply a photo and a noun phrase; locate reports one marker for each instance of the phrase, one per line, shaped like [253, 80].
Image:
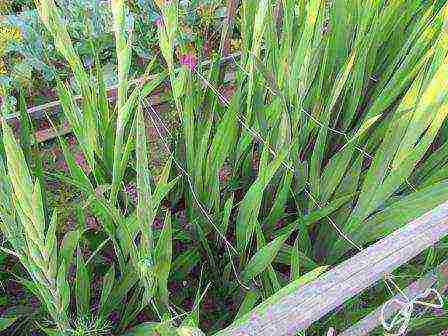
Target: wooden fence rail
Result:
[54, 107]
[297, 310]
[155, 99]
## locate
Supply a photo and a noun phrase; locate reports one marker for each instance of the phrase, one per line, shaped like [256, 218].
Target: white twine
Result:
[402, 318]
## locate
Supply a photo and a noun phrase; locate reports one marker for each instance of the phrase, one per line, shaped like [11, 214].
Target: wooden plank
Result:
[155, 99]
[53, 108]
[297, 310]
[437, 278]
[50, 133]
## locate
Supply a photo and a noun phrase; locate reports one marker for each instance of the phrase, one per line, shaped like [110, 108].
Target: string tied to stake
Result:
[402, 318]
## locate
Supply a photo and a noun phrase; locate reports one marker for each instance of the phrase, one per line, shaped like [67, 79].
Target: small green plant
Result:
[33, 63]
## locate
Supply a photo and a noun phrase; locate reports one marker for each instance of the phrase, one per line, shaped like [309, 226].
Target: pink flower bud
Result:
[189, 60]
[159, 22]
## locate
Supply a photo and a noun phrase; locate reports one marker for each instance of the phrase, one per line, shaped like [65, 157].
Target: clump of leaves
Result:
[34, 57]
[339, 121]
[33, 235]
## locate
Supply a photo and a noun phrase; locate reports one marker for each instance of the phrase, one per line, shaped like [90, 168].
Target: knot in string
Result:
[401, 320]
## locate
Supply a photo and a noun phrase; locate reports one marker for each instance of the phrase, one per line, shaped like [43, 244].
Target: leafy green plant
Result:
[334, 136]
[329, 111]
[33, 240]
[33, 235]
[34, 57]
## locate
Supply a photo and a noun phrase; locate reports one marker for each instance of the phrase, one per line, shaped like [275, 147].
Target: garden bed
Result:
[275, 200]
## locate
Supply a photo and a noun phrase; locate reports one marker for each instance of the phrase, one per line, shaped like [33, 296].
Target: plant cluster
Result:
[334, 135]
[33, 58]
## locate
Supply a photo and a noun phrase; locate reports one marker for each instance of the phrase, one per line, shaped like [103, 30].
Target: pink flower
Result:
[189, 60]
[62, 165]
[81, 161]
[159, 22]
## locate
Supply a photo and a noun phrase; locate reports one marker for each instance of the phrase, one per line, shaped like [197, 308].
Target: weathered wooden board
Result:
[155, 99]
[298, 310]
[437, 278]
[54, 107]
[51, 108]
